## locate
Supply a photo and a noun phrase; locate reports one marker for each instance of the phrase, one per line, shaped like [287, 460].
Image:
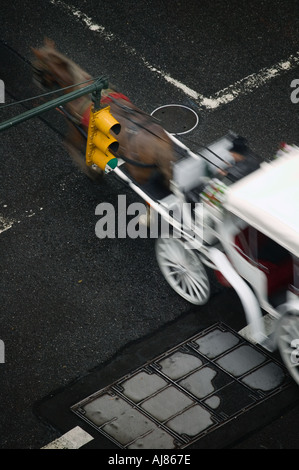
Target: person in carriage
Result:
[243, 163]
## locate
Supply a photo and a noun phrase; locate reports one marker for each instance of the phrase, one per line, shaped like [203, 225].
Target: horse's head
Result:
[51, 69]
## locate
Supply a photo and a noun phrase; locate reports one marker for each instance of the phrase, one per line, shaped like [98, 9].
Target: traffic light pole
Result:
[95, 88]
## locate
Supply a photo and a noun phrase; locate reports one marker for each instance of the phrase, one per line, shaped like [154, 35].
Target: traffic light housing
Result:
[101, 145]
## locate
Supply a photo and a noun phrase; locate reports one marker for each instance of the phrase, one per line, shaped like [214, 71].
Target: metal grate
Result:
[185, 393]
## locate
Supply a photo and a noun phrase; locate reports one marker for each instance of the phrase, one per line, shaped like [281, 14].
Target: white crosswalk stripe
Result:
[73, 439]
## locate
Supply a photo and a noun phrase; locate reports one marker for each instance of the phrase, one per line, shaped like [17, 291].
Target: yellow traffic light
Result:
[101, 145]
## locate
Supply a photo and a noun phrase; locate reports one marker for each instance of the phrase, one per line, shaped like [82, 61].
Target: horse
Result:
[145, 146]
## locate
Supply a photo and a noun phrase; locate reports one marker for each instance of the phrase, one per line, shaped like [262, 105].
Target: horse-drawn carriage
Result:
[247, 233]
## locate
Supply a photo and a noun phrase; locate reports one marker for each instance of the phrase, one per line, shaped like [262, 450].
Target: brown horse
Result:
[144, 144]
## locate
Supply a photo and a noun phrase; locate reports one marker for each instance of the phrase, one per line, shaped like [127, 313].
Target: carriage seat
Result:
[272, 259]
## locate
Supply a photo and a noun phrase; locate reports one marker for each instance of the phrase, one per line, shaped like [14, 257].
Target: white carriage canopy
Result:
[268, 200]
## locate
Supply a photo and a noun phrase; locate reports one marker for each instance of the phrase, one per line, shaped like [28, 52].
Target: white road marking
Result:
[240, 88]
[5, 224]
[73, 439]
[251, 82]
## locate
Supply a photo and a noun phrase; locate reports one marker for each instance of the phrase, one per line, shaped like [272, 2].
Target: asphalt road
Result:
[69, 301]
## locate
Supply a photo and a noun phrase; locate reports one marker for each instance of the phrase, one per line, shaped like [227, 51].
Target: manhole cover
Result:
[184, 393]
[176, 118]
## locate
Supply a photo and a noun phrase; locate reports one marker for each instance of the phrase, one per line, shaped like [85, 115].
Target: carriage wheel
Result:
[287, 334]
[183, 270]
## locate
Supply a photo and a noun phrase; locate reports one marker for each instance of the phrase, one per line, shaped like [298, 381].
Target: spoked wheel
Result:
[183, 270]
[287, 334]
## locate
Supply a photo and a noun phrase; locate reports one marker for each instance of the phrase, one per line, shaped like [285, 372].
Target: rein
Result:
[131, 111]
[79, 128]
[139, 164]
[181, 151]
